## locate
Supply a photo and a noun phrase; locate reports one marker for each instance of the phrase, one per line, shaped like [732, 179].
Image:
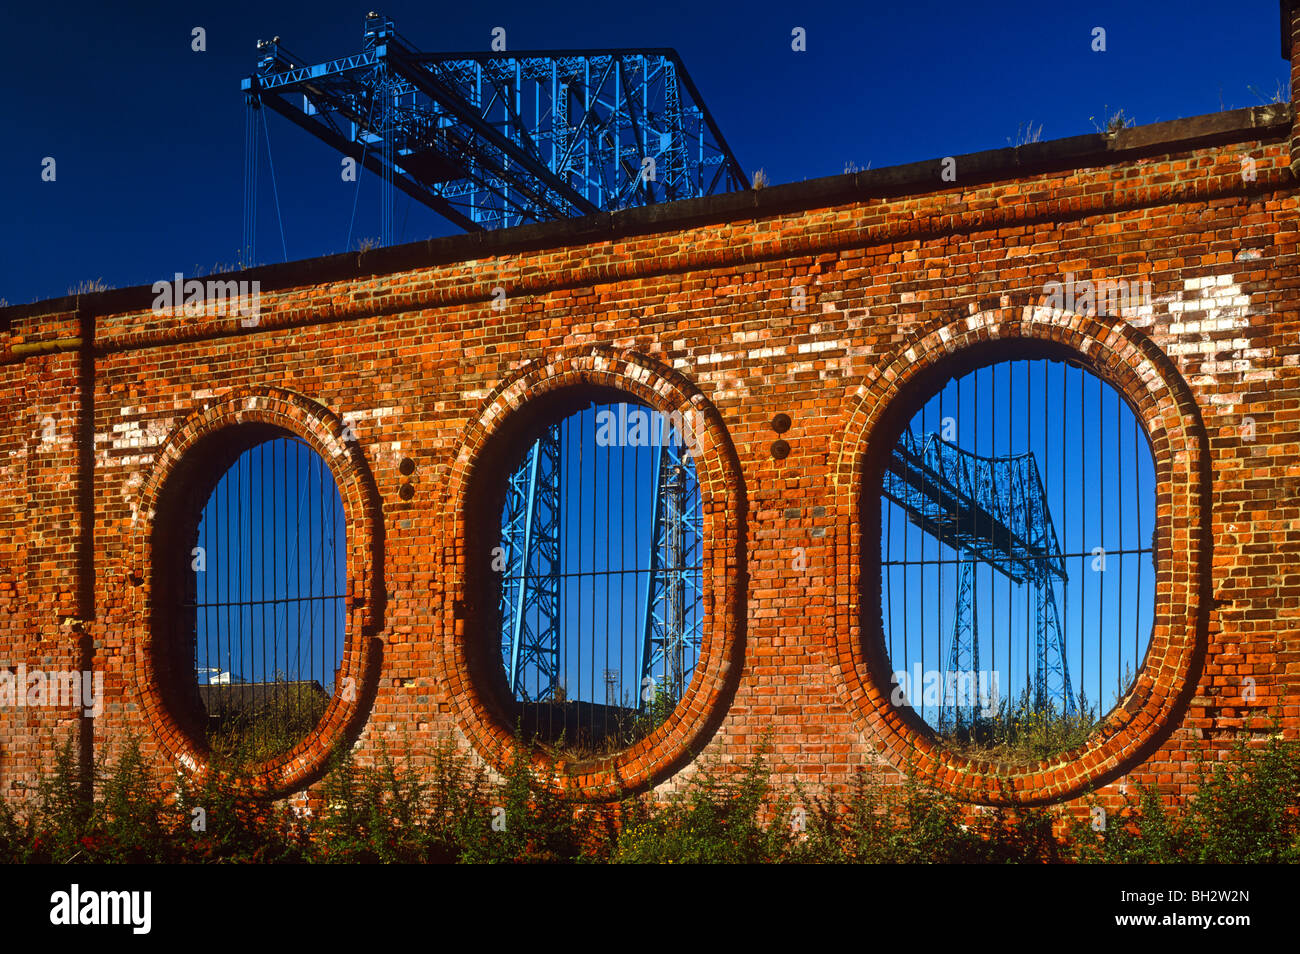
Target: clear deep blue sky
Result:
[148, 135]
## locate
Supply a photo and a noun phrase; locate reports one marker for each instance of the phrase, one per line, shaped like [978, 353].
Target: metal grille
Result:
[1017, 548]
[267, 614]
[600, 603]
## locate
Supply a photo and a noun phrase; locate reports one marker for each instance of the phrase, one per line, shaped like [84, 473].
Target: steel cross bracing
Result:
[530, 562]
[671, 627]
[992, 510]
[498, 139]
[669, 623]
[958, 710]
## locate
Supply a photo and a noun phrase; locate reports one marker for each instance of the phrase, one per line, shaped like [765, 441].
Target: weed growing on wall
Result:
[1246, 810]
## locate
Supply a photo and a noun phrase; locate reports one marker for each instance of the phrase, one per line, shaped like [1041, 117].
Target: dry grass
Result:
[85, 287]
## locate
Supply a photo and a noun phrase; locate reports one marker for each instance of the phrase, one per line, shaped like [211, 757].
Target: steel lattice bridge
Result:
[989, 510]
[490, 140]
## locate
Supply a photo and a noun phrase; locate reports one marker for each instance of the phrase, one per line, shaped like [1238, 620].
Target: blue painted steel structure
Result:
[498, 139]
[530, 560]
[671, 627]
[991, 510]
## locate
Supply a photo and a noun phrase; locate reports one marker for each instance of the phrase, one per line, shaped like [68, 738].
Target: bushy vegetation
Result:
[1246, 809]
[257, 734]
[1021, 733]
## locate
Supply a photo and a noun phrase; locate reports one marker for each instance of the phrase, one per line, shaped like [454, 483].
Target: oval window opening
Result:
[598, 607]
[1017, 552]
[265, 612]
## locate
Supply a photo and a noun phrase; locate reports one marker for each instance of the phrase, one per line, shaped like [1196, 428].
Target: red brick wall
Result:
[902, 283]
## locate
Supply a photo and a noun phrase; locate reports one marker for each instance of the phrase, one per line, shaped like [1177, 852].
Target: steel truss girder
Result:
[991, 510]
[499, 139]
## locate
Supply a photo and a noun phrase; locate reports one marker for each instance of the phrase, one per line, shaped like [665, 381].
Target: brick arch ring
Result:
[1128, 360]
[279, 413]
[722, 499]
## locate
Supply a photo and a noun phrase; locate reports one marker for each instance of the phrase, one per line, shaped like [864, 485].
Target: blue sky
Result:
[271, 570]
[148, 135]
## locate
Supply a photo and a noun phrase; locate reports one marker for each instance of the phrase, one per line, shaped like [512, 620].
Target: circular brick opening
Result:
[189, 502]
[603, 729]
[1017, 575]
[253, 635]
[1168, 425]
[597, 580]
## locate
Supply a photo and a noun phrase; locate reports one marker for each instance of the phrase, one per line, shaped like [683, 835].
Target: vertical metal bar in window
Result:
[582, 547]
[992, 581]
[982, 374]
[282, 565]
[642, 672]
[938, 566]
[1086, 566]
[225, 630]
[318, 551]
[1101, 506]
[1029, 446]
[1119, 540]
[325, 633]
[299, 498]
[1137, 499]
[1005, 407]
[595, 496]
[958, 549]
[622, 580]
[1048, 580]
[208, 554]
[239, 559]
[1065, 520]
[339, 584]
[591, 656]
[888, 574]
[263, 484]
[609, 574]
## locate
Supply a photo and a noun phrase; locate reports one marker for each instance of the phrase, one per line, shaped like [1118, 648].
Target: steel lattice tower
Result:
[669, 628]
[989, 510]
[963, 651]
[498, 139]
[670, 632]
[530, 561]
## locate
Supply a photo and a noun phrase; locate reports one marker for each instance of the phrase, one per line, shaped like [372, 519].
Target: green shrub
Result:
[1019, 733]
[908, 824]
[1246, 810]
[251, 737]
[379, 814]
[535, 821]
[240, 823]
[715, 820]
